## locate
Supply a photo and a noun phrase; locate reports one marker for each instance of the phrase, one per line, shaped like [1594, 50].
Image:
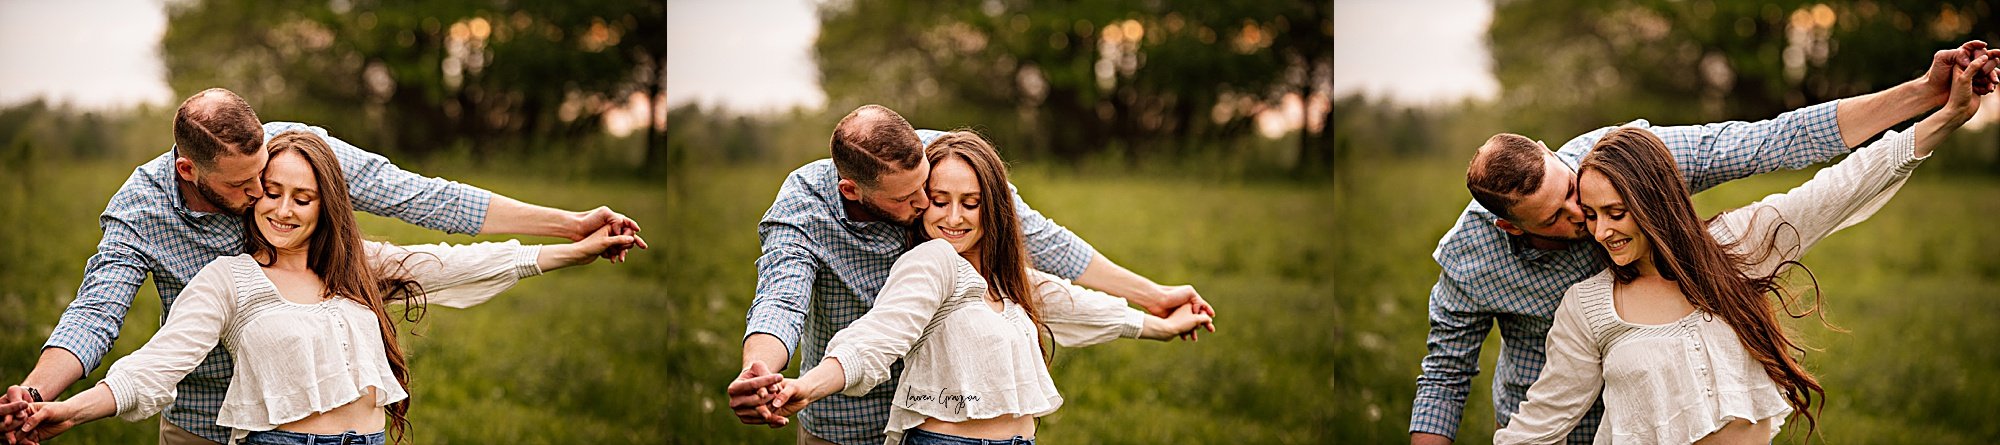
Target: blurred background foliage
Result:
[1569, 65]
[429, 76]
[1565, 67]
[1138, 82]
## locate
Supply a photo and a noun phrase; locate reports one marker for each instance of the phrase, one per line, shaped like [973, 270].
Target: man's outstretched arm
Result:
[380, 187]
[1862, 117]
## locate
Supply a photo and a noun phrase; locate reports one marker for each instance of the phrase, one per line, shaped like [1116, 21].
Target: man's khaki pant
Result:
[174, 435]
[806, 438]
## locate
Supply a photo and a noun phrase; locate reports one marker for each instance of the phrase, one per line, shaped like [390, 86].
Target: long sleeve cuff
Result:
[853, 378]
[1429, 416]
[74, 336]
[527, 261]
[125, 394]
[1135, 324]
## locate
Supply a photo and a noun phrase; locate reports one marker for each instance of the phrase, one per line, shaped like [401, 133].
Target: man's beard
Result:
[1581, 236]
[201, 188]
[884, 215]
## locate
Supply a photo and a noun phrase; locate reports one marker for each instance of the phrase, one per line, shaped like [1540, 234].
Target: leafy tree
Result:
[420, 76]
[1077, 77]
[1569, 65]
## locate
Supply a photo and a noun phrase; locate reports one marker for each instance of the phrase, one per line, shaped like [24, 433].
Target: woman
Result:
[964, 312]
[303, 315]
[1677, 334]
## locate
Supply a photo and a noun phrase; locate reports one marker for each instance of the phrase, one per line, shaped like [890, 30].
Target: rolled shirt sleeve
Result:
[1458, 329]
[143, 383]
[111, 280]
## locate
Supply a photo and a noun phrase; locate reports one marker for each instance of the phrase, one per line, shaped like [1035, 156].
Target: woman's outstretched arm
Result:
[466, 275]
[142, 384]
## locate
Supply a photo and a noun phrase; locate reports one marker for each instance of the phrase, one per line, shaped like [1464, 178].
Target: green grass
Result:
[640, 352]
[1915, 286]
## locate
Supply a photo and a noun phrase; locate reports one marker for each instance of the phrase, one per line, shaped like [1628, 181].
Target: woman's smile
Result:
[953, 234]
[281, 227]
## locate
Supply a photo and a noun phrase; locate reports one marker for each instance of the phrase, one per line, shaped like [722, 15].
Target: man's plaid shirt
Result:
[821, 270]
[1491, 278]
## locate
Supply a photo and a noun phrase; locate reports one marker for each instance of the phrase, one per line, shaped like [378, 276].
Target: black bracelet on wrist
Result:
[35, 394]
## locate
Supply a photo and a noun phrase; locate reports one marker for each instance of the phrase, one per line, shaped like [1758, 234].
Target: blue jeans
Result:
[275, 437]
[915, 436]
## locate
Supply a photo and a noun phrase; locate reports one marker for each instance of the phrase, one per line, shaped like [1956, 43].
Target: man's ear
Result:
[850, 190]
[1508, 226]
[184, 168]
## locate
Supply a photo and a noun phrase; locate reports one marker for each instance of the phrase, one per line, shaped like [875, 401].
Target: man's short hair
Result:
[873, 140]
[1507, 168]
[213, 122]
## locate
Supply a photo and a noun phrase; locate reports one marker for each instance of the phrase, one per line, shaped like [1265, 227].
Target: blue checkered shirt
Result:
[1490, 277]
[149, 231]
[821, 270]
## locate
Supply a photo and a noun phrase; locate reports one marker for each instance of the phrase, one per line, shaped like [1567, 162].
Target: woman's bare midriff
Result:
[1003, 427]
[361, 415]
[1739, 431]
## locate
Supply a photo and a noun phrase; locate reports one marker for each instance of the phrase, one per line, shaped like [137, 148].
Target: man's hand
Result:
[1945, 63]
[1182, 323]
[1957, 110]
[591, 221]
[13, 413]
[751, 393]
[1171, 298]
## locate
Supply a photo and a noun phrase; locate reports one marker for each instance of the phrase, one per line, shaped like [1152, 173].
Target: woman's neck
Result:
[288, 259]
[1646, 267]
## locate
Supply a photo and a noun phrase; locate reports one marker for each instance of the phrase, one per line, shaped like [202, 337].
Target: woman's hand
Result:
[1958, 107]
[588, 249]
[1183, 320]
[792, 395]
[46, 420]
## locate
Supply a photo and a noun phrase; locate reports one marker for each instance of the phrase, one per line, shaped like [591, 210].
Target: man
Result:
[183, 209]
[828, 242]
[1522, 242]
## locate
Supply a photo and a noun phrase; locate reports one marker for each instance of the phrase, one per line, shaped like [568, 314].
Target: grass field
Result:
[1915, 286]
[640, 352]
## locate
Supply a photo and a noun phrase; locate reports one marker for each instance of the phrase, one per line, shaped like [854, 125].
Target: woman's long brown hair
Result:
[336, 254]
[1712, 278]
[1002, 255]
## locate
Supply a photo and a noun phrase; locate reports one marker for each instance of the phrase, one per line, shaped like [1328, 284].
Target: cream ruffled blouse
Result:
[292, 359]
[961, 359]
[1678, 382]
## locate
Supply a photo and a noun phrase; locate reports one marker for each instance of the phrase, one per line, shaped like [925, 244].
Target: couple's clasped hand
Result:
[750, 395]
[1179, 305]
[25, 421]
[761, 396]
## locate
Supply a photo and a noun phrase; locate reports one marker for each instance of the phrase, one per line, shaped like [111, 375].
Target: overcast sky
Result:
[746, 55]
[97, 54]
[1413, 51]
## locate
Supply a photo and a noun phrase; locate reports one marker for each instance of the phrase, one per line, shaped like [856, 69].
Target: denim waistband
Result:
[275, 437]
[915, 436]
